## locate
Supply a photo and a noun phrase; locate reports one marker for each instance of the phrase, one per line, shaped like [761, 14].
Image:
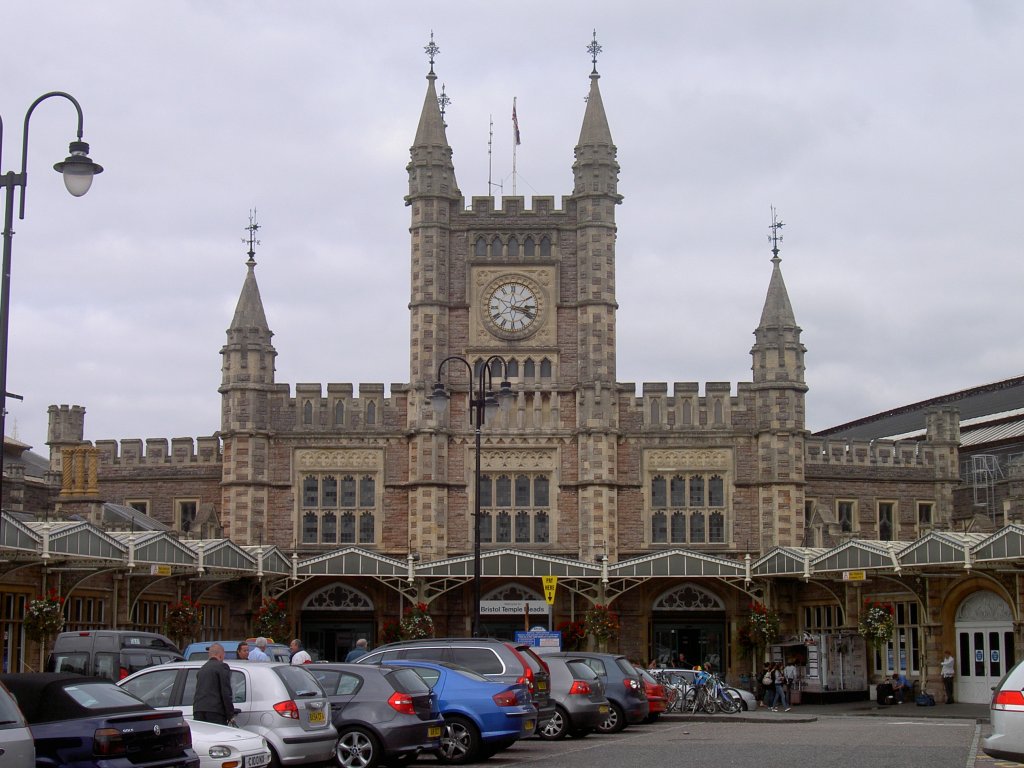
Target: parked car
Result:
[481, 716]
[578, 695]
[283, 704]
[78, 720]
[382, 714]
[16, 747]
[113, 653]
[1006, 714]
[492, 658]
[222, 746]
[686, 676]
[657, 702]
[627, 703]
[200, 651]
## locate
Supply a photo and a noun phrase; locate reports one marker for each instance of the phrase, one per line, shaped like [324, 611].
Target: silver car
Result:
[282, 703]
[16, 747]
[1007, 717]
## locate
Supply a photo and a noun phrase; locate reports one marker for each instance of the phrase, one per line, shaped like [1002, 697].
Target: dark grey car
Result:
[578, 695]
[382, 714]
[627, 702]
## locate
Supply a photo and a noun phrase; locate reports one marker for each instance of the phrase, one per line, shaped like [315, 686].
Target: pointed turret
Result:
[596, 169]
[778, 353]
[431, 172]
[248, 356]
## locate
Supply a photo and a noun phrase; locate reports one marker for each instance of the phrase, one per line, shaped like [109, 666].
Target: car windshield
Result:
[9, 712]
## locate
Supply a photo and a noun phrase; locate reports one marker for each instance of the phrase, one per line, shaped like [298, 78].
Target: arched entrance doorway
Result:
[333, 618]
[690, 620]
[984, 639]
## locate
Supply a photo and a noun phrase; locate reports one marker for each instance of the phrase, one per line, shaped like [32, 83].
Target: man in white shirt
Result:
[259, 653]
[299, 655]
[947, 671]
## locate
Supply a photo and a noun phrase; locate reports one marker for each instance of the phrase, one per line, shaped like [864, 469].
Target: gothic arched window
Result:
[513, 247]
[481, 248]
[716, 491]
[545, 247]
[496, 248]
[528, 248]
[339, 413]
[659, 528]
[678, 491]
[367, 490]
[307, 412]
[348, 528]
[329, 529]
[366, 528]
[329, 492]
[371, 412]
[310, 491]
[658, 492]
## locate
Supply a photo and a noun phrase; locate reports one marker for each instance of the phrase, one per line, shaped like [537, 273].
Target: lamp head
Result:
[78, 169]
[506, 396]
[439, 398]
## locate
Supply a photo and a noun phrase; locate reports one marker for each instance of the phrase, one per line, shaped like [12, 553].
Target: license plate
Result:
[434, 732]
[542, 685]
[529, 725]
[317, 717]
[603, 709]
[251, 761]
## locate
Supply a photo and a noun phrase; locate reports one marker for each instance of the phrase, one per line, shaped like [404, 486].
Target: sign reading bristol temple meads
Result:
[675, 507]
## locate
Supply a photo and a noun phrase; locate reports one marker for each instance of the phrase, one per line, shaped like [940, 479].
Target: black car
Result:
[78, 720]
[382, 714]
[626, 698]
[495, 659]
[113, 653]
[578, 694]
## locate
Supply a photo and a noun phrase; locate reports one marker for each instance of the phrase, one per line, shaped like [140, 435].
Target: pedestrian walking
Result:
[299, 654]
[259, 653]
[359, 650]
[212, 702]
[947, 671]
[779, 681]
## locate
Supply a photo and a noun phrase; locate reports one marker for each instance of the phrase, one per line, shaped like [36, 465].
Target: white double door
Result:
[984, 637]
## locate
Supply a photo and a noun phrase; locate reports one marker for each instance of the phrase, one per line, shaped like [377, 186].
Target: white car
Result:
[1006, 714]
[223, 746]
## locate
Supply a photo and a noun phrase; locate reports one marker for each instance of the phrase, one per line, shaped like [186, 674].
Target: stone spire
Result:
[778, 353]
[431, 171]
[596, 171]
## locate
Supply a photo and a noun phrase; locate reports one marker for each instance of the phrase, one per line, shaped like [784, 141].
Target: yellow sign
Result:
[159, 570]
[550, 582]
[855, 575]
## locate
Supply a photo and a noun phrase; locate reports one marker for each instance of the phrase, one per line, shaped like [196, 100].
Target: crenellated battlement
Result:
[870, 453]
[515, 205]
[341, 406]
[684, 407]
[154, 451]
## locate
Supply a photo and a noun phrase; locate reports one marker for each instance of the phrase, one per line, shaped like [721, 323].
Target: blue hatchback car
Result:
[481, 716]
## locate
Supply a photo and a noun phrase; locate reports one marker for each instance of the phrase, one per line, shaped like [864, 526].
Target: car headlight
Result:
[219, 750]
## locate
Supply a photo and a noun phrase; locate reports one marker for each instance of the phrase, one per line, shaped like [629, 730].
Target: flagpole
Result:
[490, 142]
[515, 143]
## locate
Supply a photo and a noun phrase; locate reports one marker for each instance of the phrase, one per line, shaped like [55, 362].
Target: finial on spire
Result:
[251, 239]
[775, 238]
[593, 49]
[443, 101]
[432, 50]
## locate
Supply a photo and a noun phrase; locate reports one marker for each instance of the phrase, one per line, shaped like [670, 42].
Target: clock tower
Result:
[536, 286]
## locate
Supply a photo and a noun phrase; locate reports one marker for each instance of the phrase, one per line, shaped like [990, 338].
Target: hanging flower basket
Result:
[762, 627]
[183, 622]
[272, 620]
[44, 616]
[601, 623]
[876, 623]
[573, 635]
[416, 623]
[390, 631]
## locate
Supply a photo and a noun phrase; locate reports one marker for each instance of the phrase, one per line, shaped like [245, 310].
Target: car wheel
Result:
[275, 761]
[557, 727]
[615, 721]
[357, 748]
[460, 741]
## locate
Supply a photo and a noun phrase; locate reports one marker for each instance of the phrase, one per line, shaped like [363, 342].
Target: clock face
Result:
[512, 307]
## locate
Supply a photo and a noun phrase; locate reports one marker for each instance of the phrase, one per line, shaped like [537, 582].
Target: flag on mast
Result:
[515, 122]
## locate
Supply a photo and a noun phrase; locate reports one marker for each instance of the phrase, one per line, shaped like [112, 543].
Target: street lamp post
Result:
[482, 404]
[78, 171]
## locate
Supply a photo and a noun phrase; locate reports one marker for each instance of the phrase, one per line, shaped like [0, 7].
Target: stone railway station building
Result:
[677, 505]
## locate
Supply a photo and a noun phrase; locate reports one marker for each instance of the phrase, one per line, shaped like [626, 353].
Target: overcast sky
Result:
[888, 134]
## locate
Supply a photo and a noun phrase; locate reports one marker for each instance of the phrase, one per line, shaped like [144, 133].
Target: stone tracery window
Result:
[330, 503]
[688, 508]
[518, 505]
